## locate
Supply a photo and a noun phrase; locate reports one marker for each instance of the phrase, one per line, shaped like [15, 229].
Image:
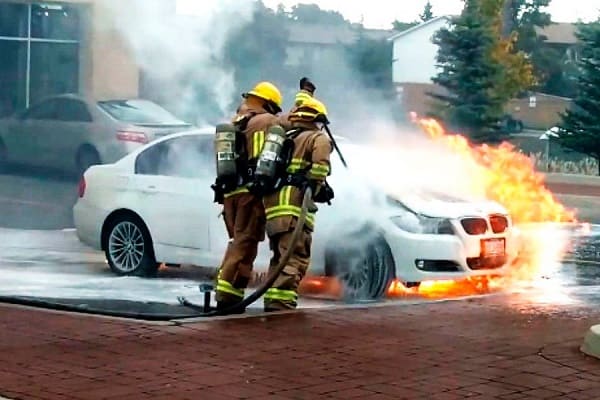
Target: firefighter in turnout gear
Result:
[243, 212]
[307, 163]
[307, 91]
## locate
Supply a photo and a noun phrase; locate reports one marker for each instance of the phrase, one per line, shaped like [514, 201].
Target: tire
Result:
[86, 157]
[364, 265]
[519, 127]
[138, 258]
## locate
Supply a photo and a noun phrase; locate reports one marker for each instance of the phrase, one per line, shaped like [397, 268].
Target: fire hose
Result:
[262, 289]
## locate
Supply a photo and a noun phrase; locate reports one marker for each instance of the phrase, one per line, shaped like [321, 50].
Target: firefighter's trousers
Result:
[283, 294]
[244, 217]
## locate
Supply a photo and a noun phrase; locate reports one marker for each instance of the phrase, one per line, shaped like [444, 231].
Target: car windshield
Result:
[139, 112]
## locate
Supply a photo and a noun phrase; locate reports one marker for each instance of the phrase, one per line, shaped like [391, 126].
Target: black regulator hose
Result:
[262, 289]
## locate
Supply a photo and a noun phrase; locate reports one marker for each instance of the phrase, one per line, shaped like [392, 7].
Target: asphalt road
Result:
[31, 199]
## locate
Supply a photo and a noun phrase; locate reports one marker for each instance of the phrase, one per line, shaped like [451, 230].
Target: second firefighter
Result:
[309, 166]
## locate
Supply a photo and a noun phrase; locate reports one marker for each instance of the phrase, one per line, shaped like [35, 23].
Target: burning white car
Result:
[155, 206]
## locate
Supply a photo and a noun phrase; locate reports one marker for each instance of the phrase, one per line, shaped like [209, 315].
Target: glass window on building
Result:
[13, 76]
[39, 52]
[55, 21]
[54, 69]
[14, 20]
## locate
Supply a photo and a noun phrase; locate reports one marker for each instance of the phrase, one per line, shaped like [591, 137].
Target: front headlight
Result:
[415, 223]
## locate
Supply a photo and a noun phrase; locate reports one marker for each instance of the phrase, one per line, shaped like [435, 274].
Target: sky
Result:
[381, 13]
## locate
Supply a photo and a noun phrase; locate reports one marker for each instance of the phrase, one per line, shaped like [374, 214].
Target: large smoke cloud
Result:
[179, 46]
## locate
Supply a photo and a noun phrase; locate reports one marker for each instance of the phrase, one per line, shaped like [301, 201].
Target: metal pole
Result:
[28, 66]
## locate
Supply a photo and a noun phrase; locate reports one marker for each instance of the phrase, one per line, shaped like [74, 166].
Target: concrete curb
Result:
[573, 179]
[591, 342]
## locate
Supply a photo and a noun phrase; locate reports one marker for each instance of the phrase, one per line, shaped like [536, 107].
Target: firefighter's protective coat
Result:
[312, 149]
[244, 217]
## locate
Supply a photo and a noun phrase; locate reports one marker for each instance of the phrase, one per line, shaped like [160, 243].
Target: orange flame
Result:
[508, 177]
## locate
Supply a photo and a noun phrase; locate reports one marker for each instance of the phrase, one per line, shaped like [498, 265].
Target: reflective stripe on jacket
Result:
[312, 149]
[301, 97]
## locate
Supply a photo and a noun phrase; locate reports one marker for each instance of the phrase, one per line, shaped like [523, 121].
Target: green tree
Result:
[517, 74]
[469, 74]
[372, 59]
[312, 13]
[402, 26]
[257, 50]
[580, 125]
[427, 13]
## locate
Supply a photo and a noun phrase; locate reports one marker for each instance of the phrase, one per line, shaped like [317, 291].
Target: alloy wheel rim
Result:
[126, 246]
[362, 277]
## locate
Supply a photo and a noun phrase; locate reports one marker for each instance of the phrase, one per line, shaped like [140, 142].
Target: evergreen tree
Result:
[580, 125]
[469, 74]
[427, 13]
[402, 26]
[517, 71]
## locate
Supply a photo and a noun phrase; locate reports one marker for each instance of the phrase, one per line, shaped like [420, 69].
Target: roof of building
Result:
[328, 34]
[557, 32]
[417, 27]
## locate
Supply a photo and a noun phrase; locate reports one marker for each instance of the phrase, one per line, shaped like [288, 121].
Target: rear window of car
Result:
[139, 112]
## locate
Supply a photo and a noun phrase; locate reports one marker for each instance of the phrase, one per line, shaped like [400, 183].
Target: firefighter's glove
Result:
[222, 186]
[323, 193]
[306, 84]
[219, 195]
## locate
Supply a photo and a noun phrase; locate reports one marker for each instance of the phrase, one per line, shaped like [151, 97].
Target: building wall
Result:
[111, 67]
[104, 66]
[108, 68]
[413, 97]
[541, 111]
[542, 114]
[414, 55]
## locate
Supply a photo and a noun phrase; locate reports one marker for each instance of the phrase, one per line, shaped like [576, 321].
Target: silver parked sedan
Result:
[70, 133]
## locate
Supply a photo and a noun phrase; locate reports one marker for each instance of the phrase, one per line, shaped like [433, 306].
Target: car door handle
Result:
[150, 189]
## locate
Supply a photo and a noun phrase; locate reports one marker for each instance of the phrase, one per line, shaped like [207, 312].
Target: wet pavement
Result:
[55, 266]
[32, 200]
[522, 344]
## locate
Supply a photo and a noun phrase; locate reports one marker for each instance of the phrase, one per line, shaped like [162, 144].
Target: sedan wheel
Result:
[129, 249]
[365, 271]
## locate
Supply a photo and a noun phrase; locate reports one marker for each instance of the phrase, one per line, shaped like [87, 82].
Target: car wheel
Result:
[364, 265]
[86, 157]
[519, 127]
[128, 248]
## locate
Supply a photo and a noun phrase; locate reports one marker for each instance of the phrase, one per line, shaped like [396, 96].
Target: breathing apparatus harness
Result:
[233, 168]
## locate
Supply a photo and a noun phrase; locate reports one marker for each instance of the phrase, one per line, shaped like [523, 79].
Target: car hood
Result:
[441, 205]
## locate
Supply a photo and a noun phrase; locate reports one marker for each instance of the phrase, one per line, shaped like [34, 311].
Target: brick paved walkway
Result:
[489, 348]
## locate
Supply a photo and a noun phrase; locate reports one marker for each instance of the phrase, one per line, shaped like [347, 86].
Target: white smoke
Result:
[181, 52]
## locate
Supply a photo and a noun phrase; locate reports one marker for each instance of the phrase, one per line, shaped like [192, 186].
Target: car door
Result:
[69, 131]
[28, 133]
[174, 197]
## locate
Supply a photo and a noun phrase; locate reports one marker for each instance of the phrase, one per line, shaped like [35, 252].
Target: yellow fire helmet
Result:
[267, 91]
[311, 109]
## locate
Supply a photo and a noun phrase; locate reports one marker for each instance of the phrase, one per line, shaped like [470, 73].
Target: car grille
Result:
[499, 223]
[474, 226]
[477, 263]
